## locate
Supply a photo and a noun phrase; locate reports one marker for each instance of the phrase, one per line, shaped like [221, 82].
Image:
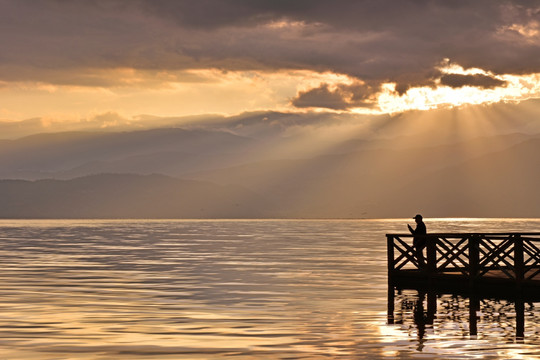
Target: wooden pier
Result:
[500, 261]
[474, 265]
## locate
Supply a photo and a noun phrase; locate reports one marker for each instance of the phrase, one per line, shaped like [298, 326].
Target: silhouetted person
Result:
[419, 241]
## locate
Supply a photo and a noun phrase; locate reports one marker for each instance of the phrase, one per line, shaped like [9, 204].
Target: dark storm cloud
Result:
[478, 80]
[378, 38]
[372, 40]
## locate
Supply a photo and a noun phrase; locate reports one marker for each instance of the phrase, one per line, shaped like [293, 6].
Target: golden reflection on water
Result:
[449, 327]
[215, 289]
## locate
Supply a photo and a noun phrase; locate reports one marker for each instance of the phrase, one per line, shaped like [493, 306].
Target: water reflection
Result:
[427, 315]
[190, 290]
[219, 289]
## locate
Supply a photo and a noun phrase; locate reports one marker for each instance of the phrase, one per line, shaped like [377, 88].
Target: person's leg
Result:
[420, 256]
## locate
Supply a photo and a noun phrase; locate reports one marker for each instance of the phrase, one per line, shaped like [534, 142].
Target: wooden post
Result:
[520, 317]
[474, 258]
[474, 307]
[431, 306]
[519, 266]
[390, 308]
[431, 246]
[390, 256]
[391, 266]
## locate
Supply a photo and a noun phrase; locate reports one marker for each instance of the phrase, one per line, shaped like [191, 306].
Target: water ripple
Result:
[215, 289]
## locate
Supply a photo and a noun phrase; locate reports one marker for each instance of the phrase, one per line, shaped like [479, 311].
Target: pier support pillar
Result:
[391, 305]
[390, 263]
[474, 307]
[520, 316]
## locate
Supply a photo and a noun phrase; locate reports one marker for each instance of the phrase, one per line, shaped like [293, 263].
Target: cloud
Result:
[267, 125]
[477, 80]
[103, 77]
[98, 122]
[341, 97]
[144, 45]
[377, 40]
[258, 124]
[321, 97]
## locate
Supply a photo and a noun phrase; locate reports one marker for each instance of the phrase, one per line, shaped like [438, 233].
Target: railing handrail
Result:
[516, 254]
[468, 234]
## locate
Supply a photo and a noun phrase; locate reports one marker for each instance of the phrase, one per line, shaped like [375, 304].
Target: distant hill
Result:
[58, 154]
[231, 176]
[499, 184]
[127, 196]
[176, 152]
[473, 179]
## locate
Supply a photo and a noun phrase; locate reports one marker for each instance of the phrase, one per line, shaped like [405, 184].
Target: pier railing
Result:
[476, 256]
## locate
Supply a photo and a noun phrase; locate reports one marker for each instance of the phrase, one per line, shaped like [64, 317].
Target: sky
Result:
[101, 62]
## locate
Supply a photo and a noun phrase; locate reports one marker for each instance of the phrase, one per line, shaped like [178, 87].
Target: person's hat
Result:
[417, 216]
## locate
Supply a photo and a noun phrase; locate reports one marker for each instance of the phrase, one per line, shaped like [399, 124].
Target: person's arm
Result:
[410, 229]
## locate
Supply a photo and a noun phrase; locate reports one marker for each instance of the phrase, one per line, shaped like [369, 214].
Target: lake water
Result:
[231, 289]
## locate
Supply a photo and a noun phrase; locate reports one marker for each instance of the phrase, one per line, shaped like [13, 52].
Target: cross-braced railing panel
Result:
[406, 254]
[496, 254]
[531, 258]
[531, 253]
[452, 254]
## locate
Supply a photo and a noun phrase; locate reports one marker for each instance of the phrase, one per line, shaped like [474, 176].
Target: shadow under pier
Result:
[472, 311]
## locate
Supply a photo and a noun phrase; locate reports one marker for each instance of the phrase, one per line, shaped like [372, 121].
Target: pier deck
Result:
[500, 261]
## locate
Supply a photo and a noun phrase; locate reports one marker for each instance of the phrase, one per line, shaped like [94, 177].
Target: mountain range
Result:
[196, 173]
